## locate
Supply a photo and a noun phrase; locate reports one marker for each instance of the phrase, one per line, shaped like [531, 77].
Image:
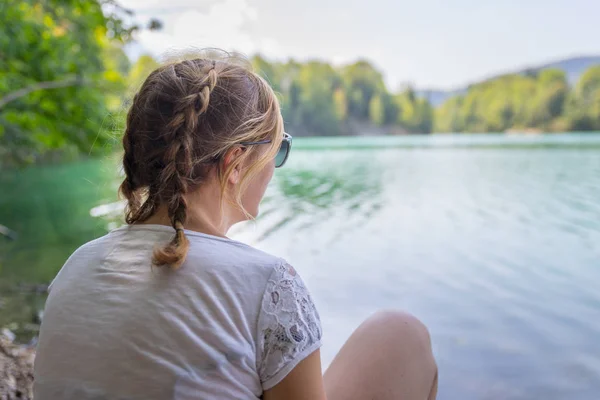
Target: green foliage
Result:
[491, 106]
[583, 106]
[537, 100]
[61, 72]
[340, 104]
[316, 111]
[139, 71]
[414, 113]
[318, 99]
[362, 82]
[376, 110]
[267, 71]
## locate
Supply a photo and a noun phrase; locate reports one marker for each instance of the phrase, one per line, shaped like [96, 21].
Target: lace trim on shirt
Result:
[290, 321]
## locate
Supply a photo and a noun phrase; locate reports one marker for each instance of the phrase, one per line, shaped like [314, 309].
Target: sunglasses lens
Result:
[281, 156]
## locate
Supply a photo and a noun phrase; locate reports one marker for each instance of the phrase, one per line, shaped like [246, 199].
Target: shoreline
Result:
[16, 368]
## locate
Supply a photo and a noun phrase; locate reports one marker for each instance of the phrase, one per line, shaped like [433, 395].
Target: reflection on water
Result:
[49, 208]
[320, 187]
[493, 241]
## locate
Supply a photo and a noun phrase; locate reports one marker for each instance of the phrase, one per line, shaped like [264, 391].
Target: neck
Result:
[205, 214]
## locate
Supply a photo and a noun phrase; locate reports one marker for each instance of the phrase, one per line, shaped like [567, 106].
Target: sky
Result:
[441, 44]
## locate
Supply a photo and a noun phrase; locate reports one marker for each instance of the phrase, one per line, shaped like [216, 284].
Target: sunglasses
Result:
[284, 149]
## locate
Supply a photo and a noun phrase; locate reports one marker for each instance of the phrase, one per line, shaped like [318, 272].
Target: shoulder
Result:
[284, 277]
[286, 294]
[88, 252]
[96, 248]
[230, 254]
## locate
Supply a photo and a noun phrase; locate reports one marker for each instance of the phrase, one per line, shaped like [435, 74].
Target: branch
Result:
[70, 81]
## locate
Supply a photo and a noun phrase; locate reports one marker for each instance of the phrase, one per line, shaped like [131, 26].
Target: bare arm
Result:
[304, 382]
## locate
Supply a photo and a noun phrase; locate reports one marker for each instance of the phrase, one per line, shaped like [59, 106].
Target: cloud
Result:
[221, 24]
[152, 6]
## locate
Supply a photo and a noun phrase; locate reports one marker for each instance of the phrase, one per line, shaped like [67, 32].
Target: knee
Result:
[398, 328]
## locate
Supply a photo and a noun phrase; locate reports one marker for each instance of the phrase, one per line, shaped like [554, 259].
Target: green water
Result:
[492, 240]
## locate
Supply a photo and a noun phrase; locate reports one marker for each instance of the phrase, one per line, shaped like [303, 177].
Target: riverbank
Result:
[16, 368]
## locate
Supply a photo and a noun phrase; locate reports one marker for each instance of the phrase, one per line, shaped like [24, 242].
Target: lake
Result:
[492, 240]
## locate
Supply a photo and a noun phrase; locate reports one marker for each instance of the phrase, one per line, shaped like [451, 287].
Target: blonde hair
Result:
[185, 117]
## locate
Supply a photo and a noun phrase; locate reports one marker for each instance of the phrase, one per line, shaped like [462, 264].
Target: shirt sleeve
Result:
[289, 327]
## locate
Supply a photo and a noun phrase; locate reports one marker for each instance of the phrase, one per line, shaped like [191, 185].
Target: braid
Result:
[136, 211]
[128, 188]
[173, 182]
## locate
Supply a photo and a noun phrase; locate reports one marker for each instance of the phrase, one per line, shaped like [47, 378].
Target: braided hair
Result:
[184, 118]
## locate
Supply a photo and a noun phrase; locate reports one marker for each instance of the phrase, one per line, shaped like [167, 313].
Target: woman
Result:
[168, 307]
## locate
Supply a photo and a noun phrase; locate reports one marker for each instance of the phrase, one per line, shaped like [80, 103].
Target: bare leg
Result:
[388, 357]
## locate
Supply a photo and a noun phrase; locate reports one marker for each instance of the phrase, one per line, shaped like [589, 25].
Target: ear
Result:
[231, 157]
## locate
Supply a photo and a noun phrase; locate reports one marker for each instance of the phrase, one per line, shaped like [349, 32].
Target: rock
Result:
[16, 368]
[8, 334]
[9, 233]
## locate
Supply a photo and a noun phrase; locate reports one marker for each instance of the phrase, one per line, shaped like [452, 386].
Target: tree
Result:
[415, 114]
[390, 109]
[425, 116]
[61, 62]
[140, 70]
[377, 110]
[266, 70]
[522, 101]
[362, 81]
[340, 104]
[448, 117]
[315, 110]
[583, 107]
[549, 101]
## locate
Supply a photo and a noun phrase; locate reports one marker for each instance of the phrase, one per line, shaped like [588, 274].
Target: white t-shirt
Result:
[230, 323]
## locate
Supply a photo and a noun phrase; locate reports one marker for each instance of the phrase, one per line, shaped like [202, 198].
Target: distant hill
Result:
[437, 97]
[573, 67]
